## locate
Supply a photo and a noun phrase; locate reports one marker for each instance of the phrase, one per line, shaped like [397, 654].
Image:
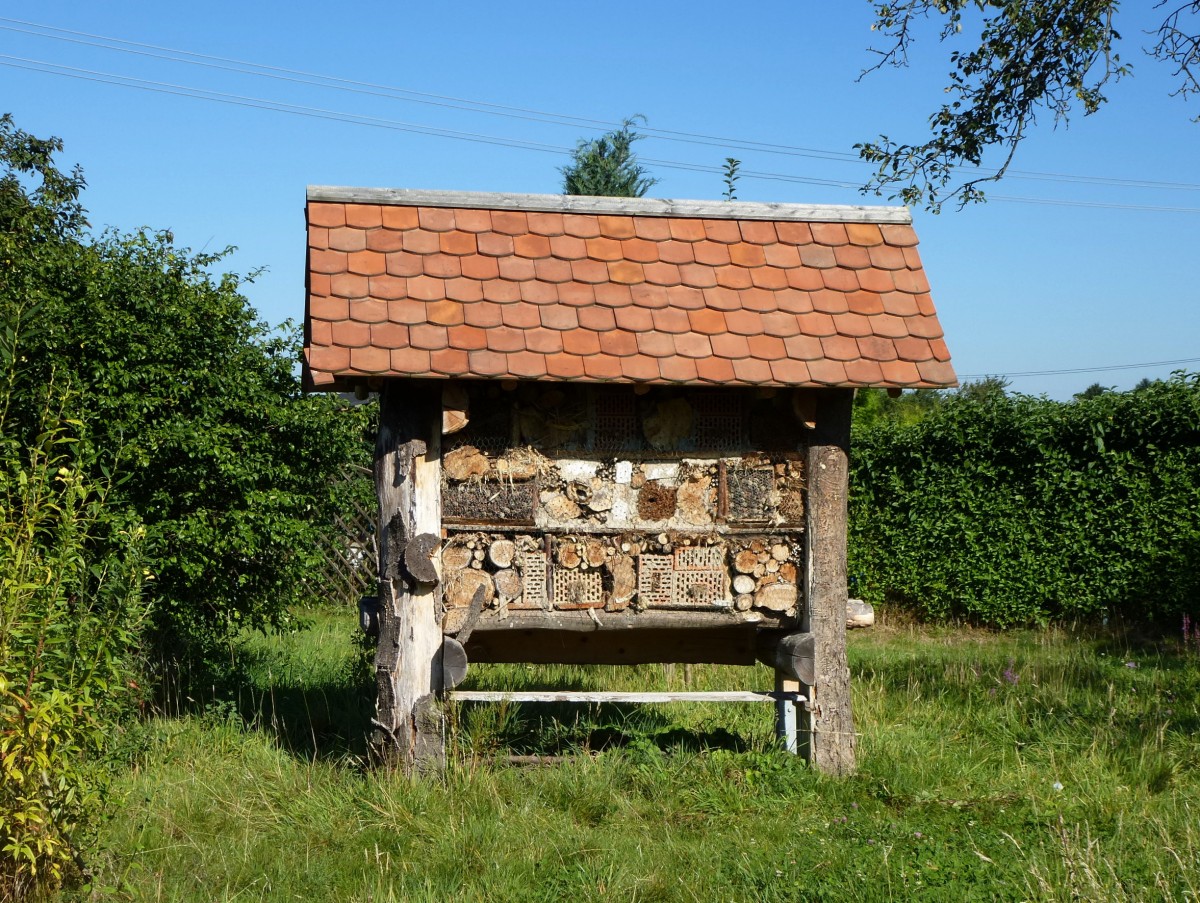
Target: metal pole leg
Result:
[786, 720]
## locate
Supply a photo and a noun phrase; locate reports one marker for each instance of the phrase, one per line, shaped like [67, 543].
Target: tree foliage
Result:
[874, 407]
[1030, 58]
[607, 166]
[182, 391]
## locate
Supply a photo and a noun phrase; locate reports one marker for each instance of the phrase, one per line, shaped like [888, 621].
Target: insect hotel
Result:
[612, 431]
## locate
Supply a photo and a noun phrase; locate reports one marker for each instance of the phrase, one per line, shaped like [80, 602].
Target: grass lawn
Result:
[1010, 766]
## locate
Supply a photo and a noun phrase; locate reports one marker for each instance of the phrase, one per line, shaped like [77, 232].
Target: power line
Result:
[125, 81]
[1068, 371]
[128, 81]
[476, 106]
[1146, 208]
[314, 79]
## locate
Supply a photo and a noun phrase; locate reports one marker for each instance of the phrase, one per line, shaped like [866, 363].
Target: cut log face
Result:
[516, 467]
[454, 620]
[453, 421]
[454, 663]
[777, 597]
[791, 655]
[501, 553]
[508, 583]
[595, 553]
[696, 499]
[568, 555]
[418, 557]
[460, 589]
[455, 409]
[464, 463]
[859, 613]
[624, 575]
[455, 558]
[745, 561]
[561, 508]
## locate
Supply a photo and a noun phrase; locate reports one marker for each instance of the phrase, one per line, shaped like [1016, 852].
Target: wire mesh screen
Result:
[750, 494]
[614, 424]
[719, 421]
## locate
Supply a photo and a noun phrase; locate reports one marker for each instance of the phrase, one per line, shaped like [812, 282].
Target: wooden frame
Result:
[414, 670]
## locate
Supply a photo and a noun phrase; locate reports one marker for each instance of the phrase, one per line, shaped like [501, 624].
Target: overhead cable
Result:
[315, 79]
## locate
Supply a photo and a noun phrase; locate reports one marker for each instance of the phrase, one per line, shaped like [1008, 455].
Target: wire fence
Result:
[349, 557]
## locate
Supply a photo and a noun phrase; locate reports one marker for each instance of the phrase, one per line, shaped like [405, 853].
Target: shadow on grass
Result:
[560, 728]
[327, 717]
[553, 729]
[320, 722]
[319, 713]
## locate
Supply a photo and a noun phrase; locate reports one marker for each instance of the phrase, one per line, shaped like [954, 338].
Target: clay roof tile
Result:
[615, 289]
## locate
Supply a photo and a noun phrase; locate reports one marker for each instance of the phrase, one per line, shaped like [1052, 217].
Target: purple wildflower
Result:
[1011, 677]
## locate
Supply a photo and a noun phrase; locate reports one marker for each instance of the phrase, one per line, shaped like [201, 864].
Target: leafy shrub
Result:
[70, 613]
[1007, 509]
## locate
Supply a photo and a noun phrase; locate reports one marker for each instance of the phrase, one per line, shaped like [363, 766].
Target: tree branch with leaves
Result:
[1032, 58]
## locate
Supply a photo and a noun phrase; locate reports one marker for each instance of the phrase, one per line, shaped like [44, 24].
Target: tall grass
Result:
[1047, 766]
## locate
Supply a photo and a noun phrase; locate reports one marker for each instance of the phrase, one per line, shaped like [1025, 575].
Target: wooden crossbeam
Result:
[619, 697]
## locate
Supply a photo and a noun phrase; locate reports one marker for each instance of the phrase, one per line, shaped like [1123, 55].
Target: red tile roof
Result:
[453, 285]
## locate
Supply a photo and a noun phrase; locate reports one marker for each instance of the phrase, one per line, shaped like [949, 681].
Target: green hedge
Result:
[1006, 509]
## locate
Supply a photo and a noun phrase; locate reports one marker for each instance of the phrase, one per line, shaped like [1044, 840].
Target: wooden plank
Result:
[408, 726]
[598, 696]
[828, 722]
[625, 620]
[462, 525]
[733, 646]
[558, 203]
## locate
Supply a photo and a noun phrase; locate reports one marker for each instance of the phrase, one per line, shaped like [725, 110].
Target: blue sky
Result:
[1083, 274]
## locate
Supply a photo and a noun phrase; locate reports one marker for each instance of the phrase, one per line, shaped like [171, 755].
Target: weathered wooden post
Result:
[828, 721]
[408, 724]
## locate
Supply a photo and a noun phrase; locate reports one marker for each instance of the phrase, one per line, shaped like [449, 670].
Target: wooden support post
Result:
[828, 720]
[409, 727]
